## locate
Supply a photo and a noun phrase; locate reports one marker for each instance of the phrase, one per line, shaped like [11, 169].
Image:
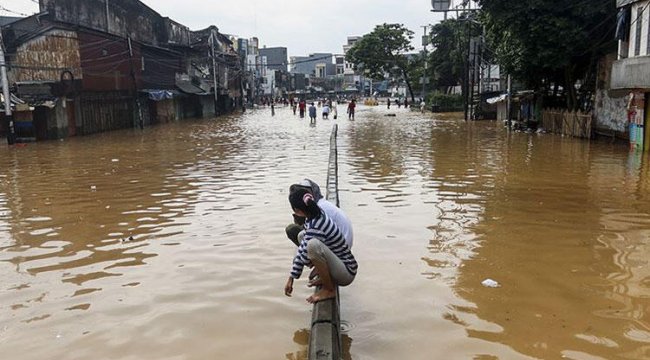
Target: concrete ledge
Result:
[320, 348]
[325, 338]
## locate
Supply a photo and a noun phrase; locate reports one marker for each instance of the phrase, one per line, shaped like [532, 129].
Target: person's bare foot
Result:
[321, 296]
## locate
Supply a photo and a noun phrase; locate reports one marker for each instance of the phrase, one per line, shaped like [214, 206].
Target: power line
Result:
[2, 8]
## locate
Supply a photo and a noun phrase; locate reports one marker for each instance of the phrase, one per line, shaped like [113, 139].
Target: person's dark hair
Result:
[303, 200]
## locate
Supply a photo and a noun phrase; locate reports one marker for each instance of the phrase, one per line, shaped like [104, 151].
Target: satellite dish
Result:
[441, 5]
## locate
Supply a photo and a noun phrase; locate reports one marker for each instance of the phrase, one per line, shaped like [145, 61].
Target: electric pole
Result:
[425, 42]
[9, 121]
[215, 75]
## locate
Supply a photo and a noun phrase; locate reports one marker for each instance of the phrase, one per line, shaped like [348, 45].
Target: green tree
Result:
[550, 42]
[449, 56]
[383, 52]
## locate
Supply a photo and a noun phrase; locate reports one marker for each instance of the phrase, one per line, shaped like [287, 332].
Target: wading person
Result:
[312, 113]
[323, 247]
[326, 112]
[302, 105]
[351, 107]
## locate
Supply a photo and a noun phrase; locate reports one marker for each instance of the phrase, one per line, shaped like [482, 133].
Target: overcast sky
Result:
[303, 26]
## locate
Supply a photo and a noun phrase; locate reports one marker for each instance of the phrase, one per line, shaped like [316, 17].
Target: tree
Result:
[449, 56]
[548, 42]
[383, 51]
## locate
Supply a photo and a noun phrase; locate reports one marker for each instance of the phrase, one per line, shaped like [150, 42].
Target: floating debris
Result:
[490, 283]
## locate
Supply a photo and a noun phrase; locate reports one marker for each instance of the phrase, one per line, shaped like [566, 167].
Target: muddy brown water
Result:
[438, 206]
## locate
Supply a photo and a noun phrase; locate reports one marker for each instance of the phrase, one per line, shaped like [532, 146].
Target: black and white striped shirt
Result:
[322, 228]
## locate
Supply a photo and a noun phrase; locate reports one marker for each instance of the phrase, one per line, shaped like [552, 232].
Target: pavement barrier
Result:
[325, 338]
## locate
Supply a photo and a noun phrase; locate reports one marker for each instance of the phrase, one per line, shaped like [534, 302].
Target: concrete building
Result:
[276, 57]
[319, 65]
[623, 86]
[352, 78]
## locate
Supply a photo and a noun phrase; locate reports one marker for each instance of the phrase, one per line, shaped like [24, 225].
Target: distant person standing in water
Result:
[302, 105]
[312, 113]
[351, 108]
[388, 103]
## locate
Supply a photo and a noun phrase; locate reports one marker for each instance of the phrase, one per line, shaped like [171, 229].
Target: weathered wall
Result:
[177, 34]
[124, 18]
[57, 123]
[107, 64]
[631, 73]
[55, 50]
[160, 68]
[610, 112]
[207, 106]
[610, 109]
[105, 111]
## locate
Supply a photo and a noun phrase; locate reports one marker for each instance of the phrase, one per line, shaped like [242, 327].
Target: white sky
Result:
[303, 26]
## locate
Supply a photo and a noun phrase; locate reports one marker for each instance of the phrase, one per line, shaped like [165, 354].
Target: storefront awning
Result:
[189, 88]
[160, 95]
[497, 99]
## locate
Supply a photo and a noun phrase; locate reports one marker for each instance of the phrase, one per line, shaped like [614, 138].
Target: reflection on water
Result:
[169, 243]
[561, 224]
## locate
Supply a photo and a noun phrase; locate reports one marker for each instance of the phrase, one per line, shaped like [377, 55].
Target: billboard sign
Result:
[441, 5]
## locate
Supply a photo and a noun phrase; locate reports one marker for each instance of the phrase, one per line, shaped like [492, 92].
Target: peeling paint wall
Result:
[44, 58]
[124, 18]
[610, 112]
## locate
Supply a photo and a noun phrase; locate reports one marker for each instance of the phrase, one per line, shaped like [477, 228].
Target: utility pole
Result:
[425, 42]
[215, 75]
[467, 69]
[273, 95]
[135, 86]
[509, 102]
[445, 6]
[9, 121]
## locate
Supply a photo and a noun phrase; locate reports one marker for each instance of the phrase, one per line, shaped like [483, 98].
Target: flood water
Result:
[438, 206]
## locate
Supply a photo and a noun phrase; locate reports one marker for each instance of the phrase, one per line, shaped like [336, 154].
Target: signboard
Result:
[441, 5]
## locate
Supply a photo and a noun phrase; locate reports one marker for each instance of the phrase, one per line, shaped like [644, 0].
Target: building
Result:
[85, 67]
[276, 57]
[349, 67]
[319, 65]
[623, 85]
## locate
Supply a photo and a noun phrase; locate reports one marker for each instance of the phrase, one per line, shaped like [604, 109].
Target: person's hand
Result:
[288, 288]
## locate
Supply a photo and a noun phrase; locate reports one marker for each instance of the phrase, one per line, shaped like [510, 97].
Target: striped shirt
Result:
[322, 228]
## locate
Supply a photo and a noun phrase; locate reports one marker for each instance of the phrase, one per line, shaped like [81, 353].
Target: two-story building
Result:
[88, 66]
[623, 89]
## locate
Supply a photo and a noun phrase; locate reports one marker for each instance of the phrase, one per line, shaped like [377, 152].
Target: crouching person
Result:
[323, 247]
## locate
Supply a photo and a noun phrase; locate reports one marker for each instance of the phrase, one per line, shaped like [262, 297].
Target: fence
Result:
[570, 123]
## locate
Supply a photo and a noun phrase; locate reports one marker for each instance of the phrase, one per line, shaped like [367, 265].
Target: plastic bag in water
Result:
[490, 283]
